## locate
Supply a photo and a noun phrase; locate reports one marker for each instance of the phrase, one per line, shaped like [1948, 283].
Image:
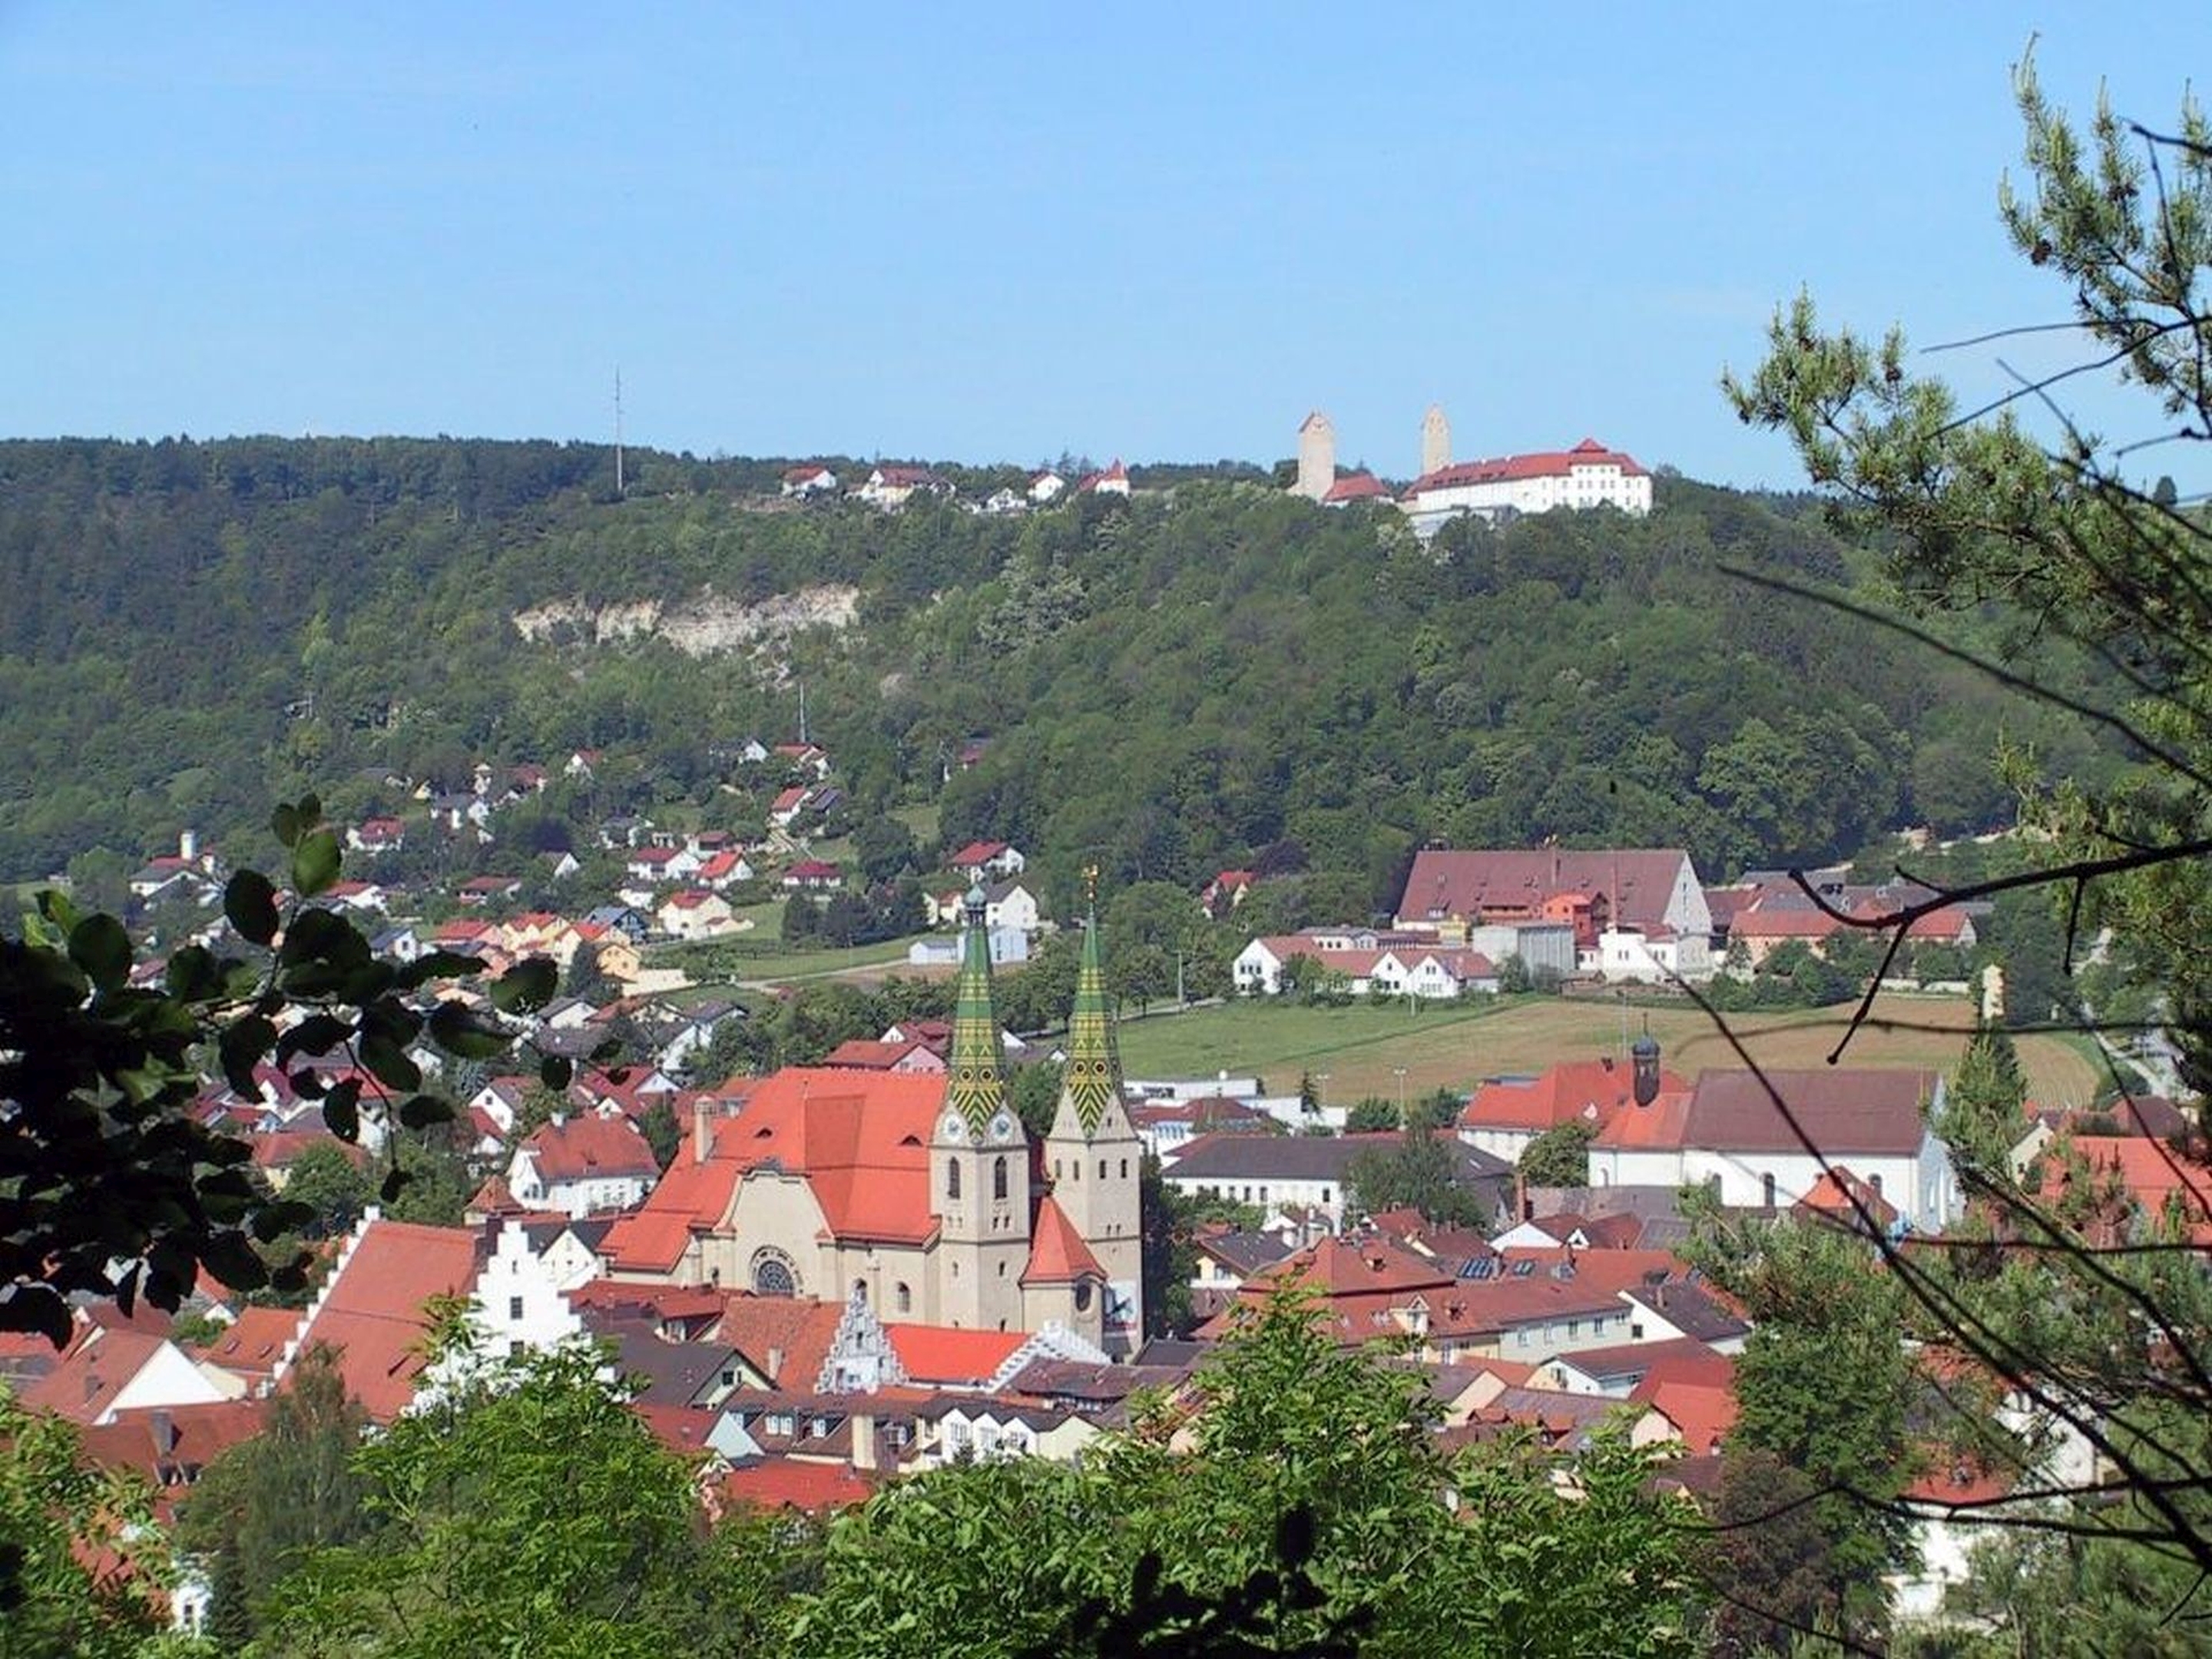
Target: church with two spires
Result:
[923, 1194]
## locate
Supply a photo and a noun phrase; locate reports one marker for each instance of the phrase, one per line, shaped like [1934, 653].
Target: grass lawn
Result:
[760, 957]
[920, 817]
[1447, 1046]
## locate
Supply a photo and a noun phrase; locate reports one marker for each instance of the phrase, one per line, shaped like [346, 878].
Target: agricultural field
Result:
[1360, 1051]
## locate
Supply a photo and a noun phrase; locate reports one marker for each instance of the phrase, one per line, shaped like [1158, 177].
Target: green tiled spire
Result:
[977, 1087]
[1093, 1078]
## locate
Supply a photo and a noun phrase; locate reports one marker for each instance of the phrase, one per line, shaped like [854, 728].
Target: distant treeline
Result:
[1218, 674]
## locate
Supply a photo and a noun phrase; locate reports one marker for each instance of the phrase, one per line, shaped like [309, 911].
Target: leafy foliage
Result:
[73, 1545]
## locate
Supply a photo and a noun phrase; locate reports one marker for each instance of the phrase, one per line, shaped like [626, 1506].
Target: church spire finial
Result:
[977, 1087]
[1093, 1078]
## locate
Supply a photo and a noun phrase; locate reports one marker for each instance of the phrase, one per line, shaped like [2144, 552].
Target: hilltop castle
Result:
[1589, 474]
[922, 1195]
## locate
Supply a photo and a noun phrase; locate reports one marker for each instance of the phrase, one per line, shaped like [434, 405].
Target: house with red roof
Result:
[112, 1369]
[1505, 1114]
[1356, 487]
[582, 1166]
[1766, 1142]
[814, 876]
[373, 1307]
[784, 810]
[1112, 481]
[811, 478]
[981, 857]
[377, 835]
[890, 486]
[1588, 476]
[862, 1054]
[694, 914]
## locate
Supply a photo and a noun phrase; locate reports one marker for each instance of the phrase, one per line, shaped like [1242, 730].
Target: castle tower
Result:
[979, 1158]
[1316, 458]
[1093, 1151]
[1436, 440]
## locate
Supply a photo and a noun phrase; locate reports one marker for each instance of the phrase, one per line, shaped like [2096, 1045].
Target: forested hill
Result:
[1217, 674]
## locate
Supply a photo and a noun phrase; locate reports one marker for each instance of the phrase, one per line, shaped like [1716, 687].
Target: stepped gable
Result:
[370, 1311]
[785, 1339]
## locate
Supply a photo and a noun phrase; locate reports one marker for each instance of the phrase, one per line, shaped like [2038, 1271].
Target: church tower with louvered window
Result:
[979, 1158]
[1093, 1155]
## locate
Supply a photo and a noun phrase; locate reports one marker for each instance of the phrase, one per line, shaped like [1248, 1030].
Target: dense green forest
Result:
[1212, 674]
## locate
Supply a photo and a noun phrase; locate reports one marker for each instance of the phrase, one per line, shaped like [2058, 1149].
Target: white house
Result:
[893, 486]
[808, 480]
[581, 1165]
[1728, 1134]
[1009, 904]
[520, 1300]
[1589, 474]
[1046, 486]
[696, 913]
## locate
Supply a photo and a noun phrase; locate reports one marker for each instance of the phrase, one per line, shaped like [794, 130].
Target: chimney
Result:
[188, 845]
[775, 1364]
[165, 1432]
[701, 1140]
[1521, 1209]
[863, 1440]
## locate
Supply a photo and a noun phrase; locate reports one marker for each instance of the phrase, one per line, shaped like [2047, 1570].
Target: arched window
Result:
[904, 1297]
[1082, 1296]
[952, 1178]
[772, 1274]
[999, 1178]
[1125, 1168]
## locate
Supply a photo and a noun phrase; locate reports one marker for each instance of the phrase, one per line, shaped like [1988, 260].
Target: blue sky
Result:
[983, 233]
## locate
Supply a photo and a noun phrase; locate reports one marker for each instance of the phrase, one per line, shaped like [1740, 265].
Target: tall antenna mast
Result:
[802, 711]
[618, 446]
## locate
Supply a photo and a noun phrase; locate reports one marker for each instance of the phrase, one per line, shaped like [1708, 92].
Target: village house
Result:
[374, 836]
[814, 876]
[979, 859]
[1113, 480]
[370, 1308]
[1588, 476]
[1728, 1133]
[582, 1166]
[1046, 486]
[694, 914]
[812, 479]
[894, 486]
[1313, 1171]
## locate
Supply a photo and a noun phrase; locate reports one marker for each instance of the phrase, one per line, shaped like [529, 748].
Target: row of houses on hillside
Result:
[889, 486]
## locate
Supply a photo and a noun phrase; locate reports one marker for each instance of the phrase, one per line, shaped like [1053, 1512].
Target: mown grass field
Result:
[1361, 1049]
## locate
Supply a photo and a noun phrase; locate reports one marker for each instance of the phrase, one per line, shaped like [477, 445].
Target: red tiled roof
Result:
[1586, 1091]
[591, 1148]
[153, 1440]
[1841, 1111]
[861, 1139]
[1538, 463]
[974, 854]
[1704, 1413]
[796, 1483]
[372, 1315]
[1841, 1194]
[251, 1346]
[1338, 1266]
[85, 1381]
[1658, 1127]
[785, 1338]
[1058, 1254]
[2152, 1172]
[1358, 487]
[945, 1354]
[861, 1055]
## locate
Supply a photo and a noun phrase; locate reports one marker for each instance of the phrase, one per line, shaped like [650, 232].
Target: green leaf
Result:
[285, 821]
[527, 987]
[315, 863]
[272, 1221]
[99, 946]
[556, 1072]
[342, 1110]
[438, 964]
[455, 1031]
[388, 1062]
[420, 1111]
[241, 1046]
[250, 902]
[395, 1183]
